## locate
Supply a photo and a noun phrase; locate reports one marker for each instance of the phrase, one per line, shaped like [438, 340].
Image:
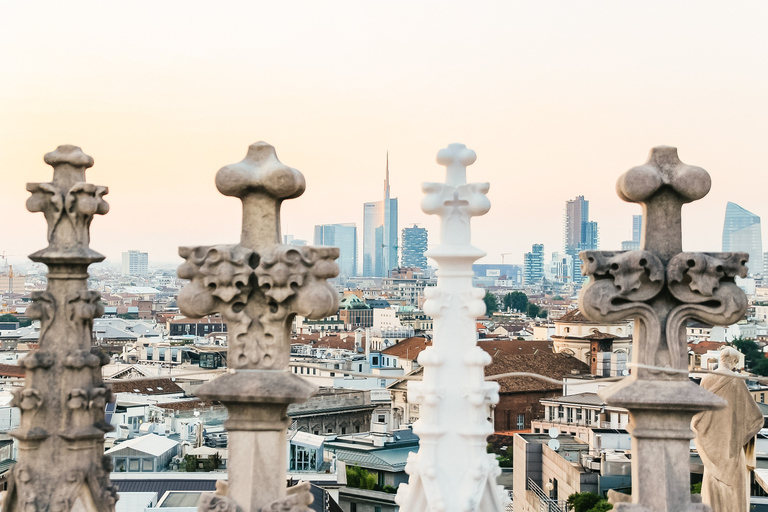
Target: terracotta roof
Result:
[574, 316]
[597, 335]
[703, 347]
[555, 366]
[409, 347]
[11, 370]
[190, 404]
[514, 347]
[146, 387]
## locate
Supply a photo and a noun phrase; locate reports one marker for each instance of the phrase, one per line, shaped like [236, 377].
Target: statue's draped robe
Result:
[722, 438]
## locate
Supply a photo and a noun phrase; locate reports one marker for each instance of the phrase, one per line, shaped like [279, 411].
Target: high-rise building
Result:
[742, 233]
[135, 263]
[580, 233]
[343, 236]
[637, 233]
[414, 244]
[533, 265]
[637, 228]
[380, 234]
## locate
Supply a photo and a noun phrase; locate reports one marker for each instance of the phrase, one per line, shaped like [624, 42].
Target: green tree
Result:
[588, 502]
[516, 300]
[360, 478]
[532, 310]
[11, 318]
[190, 463]
[491, 303]
[754, 358]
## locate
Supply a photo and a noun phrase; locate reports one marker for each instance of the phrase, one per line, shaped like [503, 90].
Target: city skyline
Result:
[557, 100]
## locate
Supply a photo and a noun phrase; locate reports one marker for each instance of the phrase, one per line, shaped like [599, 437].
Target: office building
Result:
[135, 263]
[533, 265]
[380, 234]
[580, 234]
[637, 232]
[414, 244]
[343, 236]
[742, 233]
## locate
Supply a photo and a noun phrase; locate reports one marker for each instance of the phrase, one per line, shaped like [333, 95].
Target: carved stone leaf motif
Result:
[704, 282]
[46, 198]
[43, 308]
[287, 269]
[82, 202]
[622, 284]
[298, 499]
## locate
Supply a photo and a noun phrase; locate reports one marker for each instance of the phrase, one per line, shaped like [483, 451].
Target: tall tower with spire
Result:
[380, 233]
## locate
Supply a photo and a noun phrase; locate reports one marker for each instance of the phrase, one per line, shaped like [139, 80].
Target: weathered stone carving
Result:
[62, 421]
[258, 286]
[452, 471]
[726, 438]
[662, 287]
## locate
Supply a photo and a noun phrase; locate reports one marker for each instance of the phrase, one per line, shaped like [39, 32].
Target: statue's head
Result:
[729, 358]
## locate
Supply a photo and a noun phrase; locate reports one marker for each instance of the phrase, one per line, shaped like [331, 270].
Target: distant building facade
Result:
[742, 233]
[580, 234]
[135, 263]
[343, 236]
[380, 234]
[533, 265]
[414, 244]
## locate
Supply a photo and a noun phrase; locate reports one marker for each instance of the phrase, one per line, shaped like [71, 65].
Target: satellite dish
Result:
[553, 432]
[553, 444]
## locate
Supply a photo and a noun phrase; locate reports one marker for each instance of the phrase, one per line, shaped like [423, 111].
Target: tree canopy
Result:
[491, 303]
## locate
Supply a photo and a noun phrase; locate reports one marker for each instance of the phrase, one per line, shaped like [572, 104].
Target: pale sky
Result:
[557, 98]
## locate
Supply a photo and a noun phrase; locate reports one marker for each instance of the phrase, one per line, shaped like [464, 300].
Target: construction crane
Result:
[504, 254]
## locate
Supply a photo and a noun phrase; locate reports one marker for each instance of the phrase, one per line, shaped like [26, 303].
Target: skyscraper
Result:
[742, 233]
[580, 233]
[343, 236]
[414, 244]
[533, 265]
[637, 232]
[135, 263]
[380, 234]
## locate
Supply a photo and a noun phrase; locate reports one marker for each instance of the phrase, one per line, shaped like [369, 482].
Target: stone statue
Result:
[725, 438]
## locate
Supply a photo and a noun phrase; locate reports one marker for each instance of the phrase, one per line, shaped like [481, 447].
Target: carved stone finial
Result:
[69, 205]
[662, 186]
[257, 286]
[262, 182]
[64, 397]
[662, 288]
[452, 471]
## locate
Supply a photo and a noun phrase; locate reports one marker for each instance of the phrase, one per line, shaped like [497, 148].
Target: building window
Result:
[149, 352]
[333, 374]
[578, 414]
[352, 507]
[589, 416]
[520, 421]
[382, 418]
[560, 411]
[343, 430]
[762, 398]
[147, 465]
[375, 360]
[569, 419]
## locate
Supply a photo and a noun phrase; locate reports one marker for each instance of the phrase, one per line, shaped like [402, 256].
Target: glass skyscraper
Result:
[580, 233]
[742, 233]
[343, 236]
[380, 234]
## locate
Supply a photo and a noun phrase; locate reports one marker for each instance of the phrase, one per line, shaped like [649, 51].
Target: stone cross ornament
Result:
[452, 471]
[662, 288]
[61, 466]
[258, 286]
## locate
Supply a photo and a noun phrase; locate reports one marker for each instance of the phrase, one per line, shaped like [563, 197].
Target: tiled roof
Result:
[388, 459]
[597, 335]
[548, 364]
[702, 347]
[574, 316]
[189, 404]
[11, 370]
[409, 347]
[514, 347]
[147, 387]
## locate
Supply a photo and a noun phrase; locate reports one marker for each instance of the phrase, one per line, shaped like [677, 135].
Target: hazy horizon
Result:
[557, 99]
